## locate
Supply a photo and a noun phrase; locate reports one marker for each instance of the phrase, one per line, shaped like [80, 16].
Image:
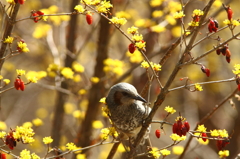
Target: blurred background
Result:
[70, 108]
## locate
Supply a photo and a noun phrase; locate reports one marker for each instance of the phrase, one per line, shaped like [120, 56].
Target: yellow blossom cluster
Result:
[132, 30]
[193, 24]
[6, 81]
[136, 57]
[198, 87]
[231, 22]
[113, 66]
[223, 153]
[197, 12]
[22, 47]
[154, 152]
[219, 133]
[170, 110]
[104, 6]
[8, 40]
[237, 69]
[179, 15]
[108, 131]
[71, 146]
[47, 140]
[118, 21]
[25, 134]
[123, 14]
[201, 128]
[177, 138]
[155, 66]
[25, 154]
[79, 8]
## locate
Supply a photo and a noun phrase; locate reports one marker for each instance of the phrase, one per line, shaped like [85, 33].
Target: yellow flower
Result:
[136, 57]
[105, 111]
[170, 19]
[145, 64]
[170, 110]
[157, 28]
[6, 81]
[32, 79]
[27, 125]
[214, 132]
[133, 30]
[155, 3]
[178, 150]
[237, 69]
[156, 67]
[2, 134]
[223, 133]
[24, 134]
[223, 153]
[123, 14]
[8, 40]
[47, 140]
[97, 124]
[235, 22]
[22, 47]
[77, 67]
[25, 154]
[20, 72]
[95, 79]
[165, 152]
[179, 15]
[71, 146]
[113, 132]
[104, 6]
[140, 44]
[3, 125]
[105, 133]
[11, 1]
[194, 24]
[155, 153]
[176, 137]
[118, 21]
[67, 72]
[77, 114]
[103, 100]
[201, 128]
[82, 91]
[37, 122]
[137, 37]
[79, 8]
[197, 12]
[198, 87]
[41, 30]
[157, 13]
[227, 22]
[34, 156]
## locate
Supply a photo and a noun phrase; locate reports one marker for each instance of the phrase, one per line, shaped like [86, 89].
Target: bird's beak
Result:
[138, 97]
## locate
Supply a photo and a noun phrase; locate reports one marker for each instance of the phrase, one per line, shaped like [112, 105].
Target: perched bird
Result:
[127, 109]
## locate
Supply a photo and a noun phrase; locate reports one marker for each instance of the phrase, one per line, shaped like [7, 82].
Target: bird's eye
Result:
[125, 93]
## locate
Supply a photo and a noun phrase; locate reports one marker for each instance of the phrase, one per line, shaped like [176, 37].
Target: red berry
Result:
[35, 19]
[183, 130]
[131, 48]
[218, 51]
[212, 26]
[22, 86]
[187, 126]
[40, 13]
[3, 156]
[229, 13]
[204, 135]
[21, 1]
[207, 71]
[89, 18]
[10, 141]
[158, 133]
[174, 128]
[17, 84]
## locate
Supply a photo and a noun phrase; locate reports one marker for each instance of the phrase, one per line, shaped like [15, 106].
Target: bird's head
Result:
[123, 94]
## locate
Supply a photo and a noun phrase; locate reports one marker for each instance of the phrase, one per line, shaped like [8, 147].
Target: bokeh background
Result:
[70, 108]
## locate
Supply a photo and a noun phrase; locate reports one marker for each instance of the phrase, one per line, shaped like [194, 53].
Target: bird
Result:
[128, 110]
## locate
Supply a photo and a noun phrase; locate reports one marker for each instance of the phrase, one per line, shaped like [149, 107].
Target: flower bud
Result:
[204, 135]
